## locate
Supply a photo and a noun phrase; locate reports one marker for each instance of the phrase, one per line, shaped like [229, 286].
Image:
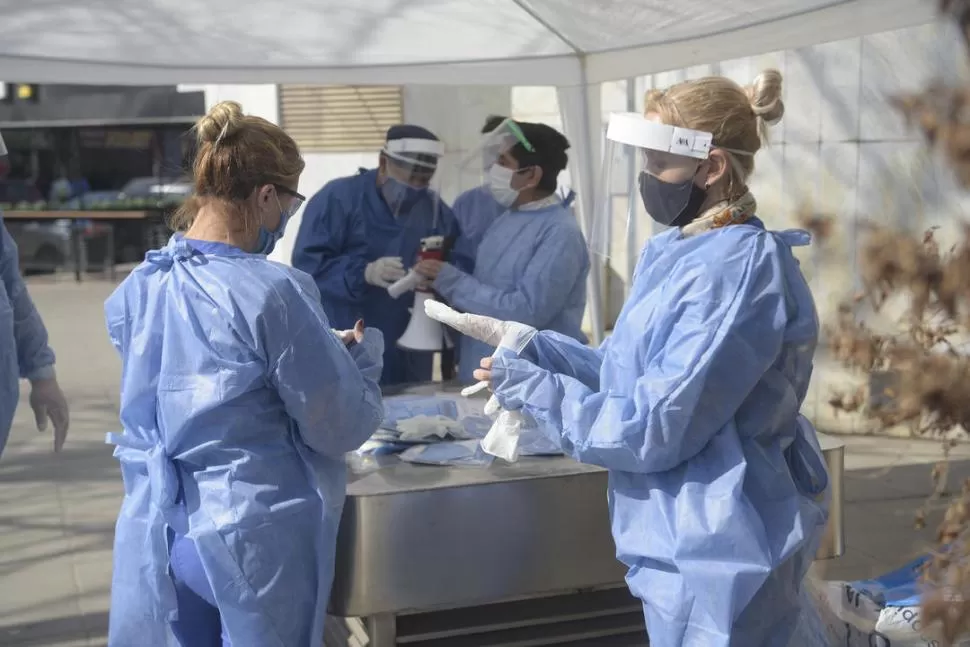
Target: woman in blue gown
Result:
[717, 486]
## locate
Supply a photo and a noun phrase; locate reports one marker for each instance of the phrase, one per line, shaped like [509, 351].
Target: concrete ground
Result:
[57, 512]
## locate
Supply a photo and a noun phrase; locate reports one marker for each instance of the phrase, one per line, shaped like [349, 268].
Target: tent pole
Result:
[597, 266]
[633, 197]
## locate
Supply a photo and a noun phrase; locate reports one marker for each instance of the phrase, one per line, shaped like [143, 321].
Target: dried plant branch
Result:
[915, 372]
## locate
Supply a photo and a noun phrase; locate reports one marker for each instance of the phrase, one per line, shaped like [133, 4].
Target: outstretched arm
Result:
[726, 332]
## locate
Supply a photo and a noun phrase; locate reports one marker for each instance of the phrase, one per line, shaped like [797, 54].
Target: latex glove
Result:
[354, 336]
[503, 438]
[48, 402]
[384, 271]
[512, 335]
[411, 281]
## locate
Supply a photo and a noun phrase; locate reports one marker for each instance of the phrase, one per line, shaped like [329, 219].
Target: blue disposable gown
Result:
[347, 225]
[24, 352]
[532, 268]
[238, 404]
[716, 482]
[475, 211]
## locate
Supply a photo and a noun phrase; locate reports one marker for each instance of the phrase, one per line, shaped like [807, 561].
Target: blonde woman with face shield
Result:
[717, 484]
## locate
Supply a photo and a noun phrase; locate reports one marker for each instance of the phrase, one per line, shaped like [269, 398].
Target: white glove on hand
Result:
[512, 335]
[502, 439]
[384, 271]
[47, 400]
[410, 282]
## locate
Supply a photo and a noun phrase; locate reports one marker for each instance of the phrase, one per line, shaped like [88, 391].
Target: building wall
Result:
[841, 149]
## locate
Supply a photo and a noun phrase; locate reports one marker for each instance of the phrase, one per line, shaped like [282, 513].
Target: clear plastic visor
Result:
[495, 148]
[642, 156]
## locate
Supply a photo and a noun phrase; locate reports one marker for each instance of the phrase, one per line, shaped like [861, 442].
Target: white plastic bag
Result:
[845, 616]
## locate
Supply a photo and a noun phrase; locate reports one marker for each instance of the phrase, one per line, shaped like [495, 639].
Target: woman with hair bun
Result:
[238, 403]
[717, 483]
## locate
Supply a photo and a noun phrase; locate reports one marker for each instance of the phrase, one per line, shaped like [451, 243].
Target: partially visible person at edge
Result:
[717, 483]
[533, 262]
[238, 404]
[359, 234]
[24, 349]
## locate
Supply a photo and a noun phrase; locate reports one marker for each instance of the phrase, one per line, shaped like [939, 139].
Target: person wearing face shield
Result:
[476, 209]
[717, 486]
[24, 349]
[359, 235]
[238, 403]
[533, 262]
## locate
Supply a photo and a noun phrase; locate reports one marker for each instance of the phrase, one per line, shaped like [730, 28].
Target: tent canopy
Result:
[573, 44]
[501, 42]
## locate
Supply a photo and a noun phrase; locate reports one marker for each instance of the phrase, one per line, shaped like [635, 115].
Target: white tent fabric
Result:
[500, 42]
[573, 44]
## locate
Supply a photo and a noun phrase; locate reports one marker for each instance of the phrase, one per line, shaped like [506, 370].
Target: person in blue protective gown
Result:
[533, 263]
[717, 487]
[476, 209]
[238, 403]
[24, 349]
[360, 233]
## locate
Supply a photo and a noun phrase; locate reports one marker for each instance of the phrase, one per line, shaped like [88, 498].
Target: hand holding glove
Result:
[502, 439]
[384, 271]
[48, 402]
[512, 335]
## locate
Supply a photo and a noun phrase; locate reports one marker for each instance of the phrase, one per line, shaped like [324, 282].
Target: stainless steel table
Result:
[515, 554]
[416, 541]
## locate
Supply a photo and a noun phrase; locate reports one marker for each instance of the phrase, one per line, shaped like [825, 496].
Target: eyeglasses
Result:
[298, 198]
[290, 192]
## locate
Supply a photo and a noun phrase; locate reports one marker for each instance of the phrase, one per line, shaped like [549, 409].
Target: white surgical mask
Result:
[500, 184]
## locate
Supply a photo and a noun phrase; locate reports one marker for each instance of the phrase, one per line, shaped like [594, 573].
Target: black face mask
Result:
[672, 204]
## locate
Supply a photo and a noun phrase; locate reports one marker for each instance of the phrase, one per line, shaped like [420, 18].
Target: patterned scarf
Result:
[721, 215]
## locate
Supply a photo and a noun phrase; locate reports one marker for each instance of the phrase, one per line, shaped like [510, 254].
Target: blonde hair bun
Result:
[223, 121]
[765, 95]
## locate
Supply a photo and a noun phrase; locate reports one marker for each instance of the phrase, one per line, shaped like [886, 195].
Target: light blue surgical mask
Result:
[266, 239]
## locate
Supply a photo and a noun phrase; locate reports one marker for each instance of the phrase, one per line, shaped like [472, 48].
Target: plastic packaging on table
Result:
[404, 407]
[461, 453]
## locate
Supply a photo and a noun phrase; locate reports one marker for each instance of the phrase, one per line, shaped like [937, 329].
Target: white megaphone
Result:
[424, 333]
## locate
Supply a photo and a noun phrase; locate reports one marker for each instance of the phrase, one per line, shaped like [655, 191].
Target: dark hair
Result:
[550, 152]
[493, 122]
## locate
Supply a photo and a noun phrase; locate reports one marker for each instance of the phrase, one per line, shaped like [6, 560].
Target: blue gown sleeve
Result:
[461, 255]
[35, 358]
[726, 330]
[562, 354]
[464, 250]
[548, 280]
[333, 396]
[331, 246]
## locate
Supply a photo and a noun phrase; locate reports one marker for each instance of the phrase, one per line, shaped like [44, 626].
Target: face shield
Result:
[410, 167]
[491, 163]
[659, 163]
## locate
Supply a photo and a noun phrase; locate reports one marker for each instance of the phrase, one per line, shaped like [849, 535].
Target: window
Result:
[339, 118]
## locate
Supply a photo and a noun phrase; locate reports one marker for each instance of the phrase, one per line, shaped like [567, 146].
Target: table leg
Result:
[76, 247]
[109, 253]
[382, 630]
